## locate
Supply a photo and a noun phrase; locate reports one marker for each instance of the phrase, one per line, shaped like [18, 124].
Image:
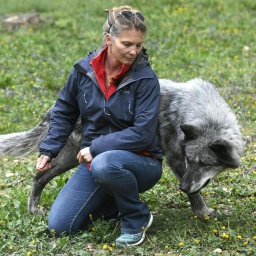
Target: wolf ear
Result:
[221, 149]
[190, 131]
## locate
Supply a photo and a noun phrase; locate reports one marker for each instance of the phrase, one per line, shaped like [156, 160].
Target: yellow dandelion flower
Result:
[197, 241]
[113, 244]
[181, 244]
[245, 243]
[110, 249]
[239, 237]
[224, 236]
[105, 247]
[29, 253]
[52, 231]
[2, 185]
[166, 247]
[223, 227]
[254, 238]
[215, 231]
[207, 218]
[33, 241]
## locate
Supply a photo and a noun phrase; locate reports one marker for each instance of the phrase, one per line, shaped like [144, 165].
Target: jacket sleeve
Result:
[63, 117]
[142, 135]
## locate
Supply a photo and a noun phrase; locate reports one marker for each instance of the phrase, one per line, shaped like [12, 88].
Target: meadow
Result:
[214, 40]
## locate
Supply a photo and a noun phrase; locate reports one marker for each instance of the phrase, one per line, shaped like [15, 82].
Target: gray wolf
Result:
[198, 132]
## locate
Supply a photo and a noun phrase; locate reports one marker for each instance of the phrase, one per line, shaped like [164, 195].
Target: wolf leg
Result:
[198, 205]
[65, 161]
[200, 208]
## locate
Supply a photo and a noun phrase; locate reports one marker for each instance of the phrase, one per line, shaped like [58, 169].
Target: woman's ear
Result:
[108, 39]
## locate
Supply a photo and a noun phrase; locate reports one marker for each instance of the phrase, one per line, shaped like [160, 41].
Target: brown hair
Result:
[116, 23]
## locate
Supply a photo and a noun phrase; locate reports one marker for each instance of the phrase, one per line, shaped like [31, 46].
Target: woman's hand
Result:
[84, 155]
[43, 163]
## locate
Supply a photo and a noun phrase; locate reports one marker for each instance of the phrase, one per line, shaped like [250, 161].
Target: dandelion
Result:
[181, 244]
[207, 218]
[245, 243]
[52, 231]
[224, 236]
[29, 253]
[113, 244]
[239, 237]
[218, 250]
[197, 241]
[33, 241]
[2, 185]
[93, 228]
[254, 238]
[105, 247]
[166, 247]
[110, 248]
[223, 227]
[215, 231]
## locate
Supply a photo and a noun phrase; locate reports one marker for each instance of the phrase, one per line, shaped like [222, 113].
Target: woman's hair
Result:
[117, 22]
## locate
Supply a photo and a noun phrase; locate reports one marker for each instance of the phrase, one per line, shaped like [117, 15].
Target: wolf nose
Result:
[184, 188]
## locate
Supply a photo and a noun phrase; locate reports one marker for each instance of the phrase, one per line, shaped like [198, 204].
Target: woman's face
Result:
[126, 47]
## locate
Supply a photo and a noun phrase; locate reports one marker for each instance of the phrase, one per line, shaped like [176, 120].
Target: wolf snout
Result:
[190, 189]
[184, 187]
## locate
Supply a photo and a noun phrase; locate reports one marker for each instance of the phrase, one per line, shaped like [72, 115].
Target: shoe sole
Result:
[143, 235]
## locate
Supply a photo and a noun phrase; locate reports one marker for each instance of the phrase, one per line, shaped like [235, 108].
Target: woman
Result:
[117, 95]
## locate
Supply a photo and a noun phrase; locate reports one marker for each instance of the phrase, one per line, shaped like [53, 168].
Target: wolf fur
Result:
[198, 132]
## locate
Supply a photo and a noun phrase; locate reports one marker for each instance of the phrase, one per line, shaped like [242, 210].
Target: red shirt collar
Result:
[98, 64]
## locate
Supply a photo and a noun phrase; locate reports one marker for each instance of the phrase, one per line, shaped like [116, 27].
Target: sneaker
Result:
[134, 239]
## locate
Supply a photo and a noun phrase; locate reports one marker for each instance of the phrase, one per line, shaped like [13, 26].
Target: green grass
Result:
[214, 40]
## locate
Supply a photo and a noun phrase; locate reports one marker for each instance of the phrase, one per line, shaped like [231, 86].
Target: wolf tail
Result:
[22, 144]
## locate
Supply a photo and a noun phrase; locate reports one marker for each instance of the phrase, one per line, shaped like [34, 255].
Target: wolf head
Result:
[206, 155]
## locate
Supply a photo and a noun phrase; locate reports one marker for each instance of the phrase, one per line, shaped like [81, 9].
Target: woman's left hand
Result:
[84, 155]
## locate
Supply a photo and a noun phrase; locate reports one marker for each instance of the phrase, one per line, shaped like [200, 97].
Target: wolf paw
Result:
[36, 210]
[207, 213]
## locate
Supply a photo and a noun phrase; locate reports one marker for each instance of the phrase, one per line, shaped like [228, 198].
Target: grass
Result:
[214, 40]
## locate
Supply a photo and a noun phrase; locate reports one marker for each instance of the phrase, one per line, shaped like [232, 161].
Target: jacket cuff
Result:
[92, 152]
[46, 153]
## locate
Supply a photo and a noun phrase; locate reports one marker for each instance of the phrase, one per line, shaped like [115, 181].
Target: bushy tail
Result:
[21, 144]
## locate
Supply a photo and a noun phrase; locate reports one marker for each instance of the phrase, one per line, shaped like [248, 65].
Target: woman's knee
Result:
[100, 167]
[58, 225]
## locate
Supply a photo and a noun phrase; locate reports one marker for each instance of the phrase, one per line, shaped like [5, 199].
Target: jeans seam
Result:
[75, 217]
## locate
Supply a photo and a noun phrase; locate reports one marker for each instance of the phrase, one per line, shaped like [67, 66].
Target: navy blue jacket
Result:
[126, 121]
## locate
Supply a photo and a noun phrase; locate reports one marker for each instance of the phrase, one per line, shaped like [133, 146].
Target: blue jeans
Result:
[110, 188]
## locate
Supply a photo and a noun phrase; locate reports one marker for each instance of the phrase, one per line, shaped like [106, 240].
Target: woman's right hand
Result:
[43, 163]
